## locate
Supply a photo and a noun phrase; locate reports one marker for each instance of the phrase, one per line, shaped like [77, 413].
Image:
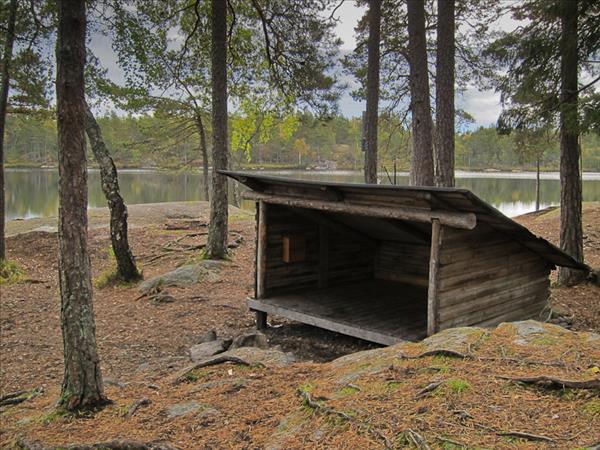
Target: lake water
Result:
[34, 192]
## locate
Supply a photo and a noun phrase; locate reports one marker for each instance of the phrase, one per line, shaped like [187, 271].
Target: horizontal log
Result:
[519, 307]
[478, 274]
[483, 303]
[496, 287]
[466, 221]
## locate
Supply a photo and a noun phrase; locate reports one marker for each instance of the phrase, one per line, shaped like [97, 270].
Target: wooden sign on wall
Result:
[294, 247]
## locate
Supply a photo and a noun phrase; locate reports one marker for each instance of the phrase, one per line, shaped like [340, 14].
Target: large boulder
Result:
[182, 276]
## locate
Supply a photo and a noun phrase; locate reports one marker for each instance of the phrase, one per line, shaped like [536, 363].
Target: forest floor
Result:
[144, 344]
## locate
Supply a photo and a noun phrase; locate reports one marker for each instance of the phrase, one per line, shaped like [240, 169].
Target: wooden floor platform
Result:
[379, 311]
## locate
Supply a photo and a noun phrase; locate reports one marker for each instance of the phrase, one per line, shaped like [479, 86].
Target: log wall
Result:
[486, 278]
[349, 258]
[405, 262]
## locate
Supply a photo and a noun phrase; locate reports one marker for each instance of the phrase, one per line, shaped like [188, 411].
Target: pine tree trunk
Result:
[571, 233]
[537, 184]
[444, 95]
[216, 246]
[82, 383]
[204, 151]
[126, 267]
[6, 59]
[372, 92]
[421, 167]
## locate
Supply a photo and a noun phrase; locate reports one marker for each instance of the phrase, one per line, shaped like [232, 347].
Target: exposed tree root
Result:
[135, 406]
[517, 434]
[556, 383]
[334, 412]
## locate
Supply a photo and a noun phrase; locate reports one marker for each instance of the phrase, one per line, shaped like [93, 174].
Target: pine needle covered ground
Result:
[464, 388]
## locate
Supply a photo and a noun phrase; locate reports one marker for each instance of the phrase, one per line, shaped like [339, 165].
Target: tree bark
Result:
[216, 245]
[126, 267]
[82, 383]
[204, 151]
[372, 92]
[537, 184]
[571, 232]
[444, 95]
[6, 60]
[421, 167]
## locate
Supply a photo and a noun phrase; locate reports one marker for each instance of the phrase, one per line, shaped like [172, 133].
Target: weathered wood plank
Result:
[368, 310]
[434, 264]
[323, 256]
[261, 247]
[452, 219]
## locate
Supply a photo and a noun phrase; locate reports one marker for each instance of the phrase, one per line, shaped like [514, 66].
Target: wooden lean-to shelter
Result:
[388, 263]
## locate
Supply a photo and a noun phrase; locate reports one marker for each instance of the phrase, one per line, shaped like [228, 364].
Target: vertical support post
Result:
[434, 264]
[261, 261]
[323, 256]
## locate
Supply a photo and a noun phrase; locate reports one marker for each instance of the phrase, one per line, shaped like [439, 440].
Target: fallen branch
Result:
[219, 359]
[517, 434]
[334, 412]
[416, 439]
[451, 441]
[557, 383]
[436, 352]
[427, 389]
[14, 398]
[135, 406]
[109, 445]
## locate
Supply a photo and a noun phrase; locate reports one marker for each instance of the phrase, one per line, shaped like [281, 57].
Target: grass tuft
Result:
[10, 272]
[457, 386]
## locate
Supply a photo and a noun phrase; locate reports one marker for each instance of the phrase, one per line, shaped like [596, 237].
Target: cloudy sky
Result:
[484, 106]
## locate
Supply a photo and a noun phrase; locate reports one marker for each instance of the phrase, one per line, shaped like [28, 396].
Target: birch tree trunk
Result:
[6, 59]
[571, 232]
[82, 383]
[216, 245]
[421, 167]
[126, 267]
[372, 91]
[444, 95]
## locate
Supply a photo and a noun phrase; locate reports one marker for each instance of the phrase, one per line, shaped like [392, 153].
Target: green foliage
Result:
[457, 386]
[592, 408]
[10, 272]
[150, 141]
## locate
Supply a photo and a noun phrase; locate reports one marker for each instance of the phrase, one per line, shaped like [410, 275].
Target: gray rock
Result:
[252, 339]
[163, 297]
[201, 351]
[183, 276]
[457, 340]
[209, 336]
[181, 409]
[266, 357]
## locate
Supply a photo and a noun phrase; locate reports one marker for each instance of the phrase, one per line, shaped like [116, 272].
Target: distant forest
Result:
[301, 141]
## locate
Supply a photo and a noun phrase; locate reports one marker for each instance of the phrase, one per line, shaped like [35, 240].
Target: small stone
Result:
[208, 337]
[201, 351]
[181, 409]
[252, 339]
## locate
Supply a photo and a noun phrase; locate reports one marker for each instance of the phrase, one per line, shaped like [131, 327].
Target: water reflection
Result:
[34, 192]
